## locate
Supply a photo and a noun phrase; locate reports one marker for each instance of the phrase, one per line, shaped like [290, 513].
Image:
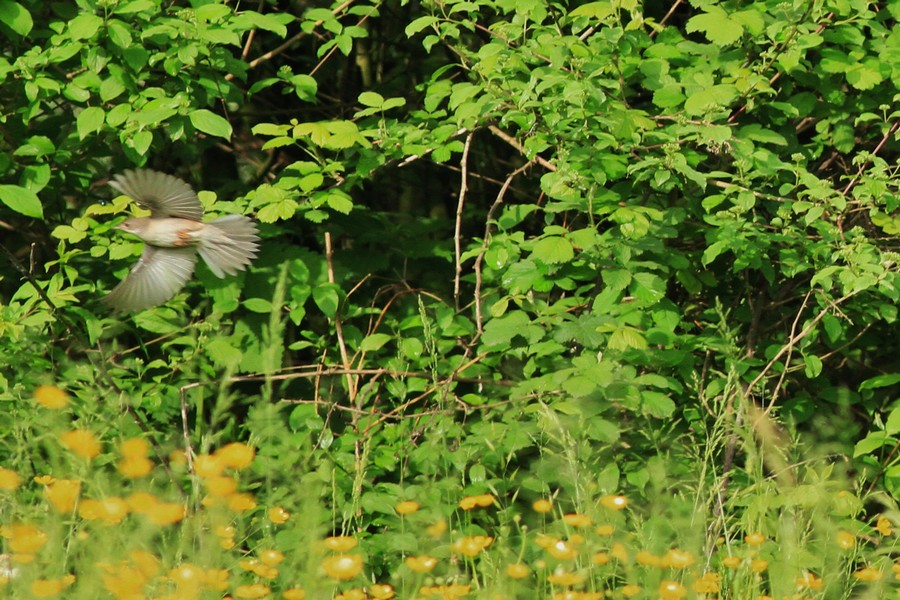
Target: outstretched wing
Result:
[156, 277]
[163, 195]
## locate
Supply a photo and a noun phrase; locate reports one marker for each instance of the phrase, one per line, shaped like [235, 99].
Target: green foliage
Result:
[519, 248]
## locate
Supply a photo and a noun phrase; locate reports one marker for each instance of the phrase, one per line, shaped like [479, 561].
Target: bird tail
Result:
[230, 246]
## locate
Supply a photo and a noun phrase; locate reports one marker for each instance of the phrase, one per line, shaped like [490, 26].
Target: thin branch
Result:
[338, 328]
[794, 339]
[457, 229]
[479, 318]
[521, 149]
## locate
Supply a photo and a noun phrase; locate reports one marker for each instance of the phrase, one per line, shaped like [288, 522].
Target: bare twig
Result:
[338, 328]
[457, 242]
[521, 149]
[487, 237]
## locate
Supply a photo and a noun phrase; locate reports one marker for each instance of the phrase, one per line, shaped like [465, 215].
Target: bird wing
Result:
[163, 195]
[156, 277]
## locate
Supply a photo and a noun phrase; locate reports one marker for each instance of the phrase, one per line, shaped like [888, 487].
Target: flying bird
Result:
[173, 235]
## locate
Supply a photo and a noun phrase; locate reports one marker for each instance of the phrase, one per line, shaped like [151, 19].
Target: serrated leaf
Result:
[22, 200]
[554, 249]
[626, 337]
[339, 202]
[718, 27]
[209, 122]
[223, 353]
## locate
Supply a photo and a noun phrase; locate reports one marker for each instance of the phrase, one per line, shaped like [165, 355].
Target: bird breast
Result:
[172, 232]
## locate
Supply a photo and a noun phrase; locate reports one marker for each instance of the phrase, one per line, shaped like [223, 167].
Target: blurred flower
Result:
[576, 520]
[166, 513]
[134, 448]
[755, 539]
[482, 500]
[236, 455]
[343, 566]
[62, 494]
[206, 465]
[846, 540]
[81, 442]
[884, 526]
[9, 480]
[758, 565]
[562, 550]
[51, 397]
[600, 558]
[708, 583]
[446, 592]
[868, 574]
[605, 529]
[629, 591]
[23, 538]
[613, 502]
[563, 577]
[471, 545]
[340, 543]
[407, 507]
[517, 570]
[810, 581]
[437, 529]
[421, 564]
[731, 562]
[135, 467]
[647, 558]
[241, 502]
[294, 594]
[542, 506]
[278, 515]
[270, 556]
[111, 510]
[221, 485]
[671, 590]
[381, 591]
[677, 559]
[254, 590]
[45, 588]
[618, 552]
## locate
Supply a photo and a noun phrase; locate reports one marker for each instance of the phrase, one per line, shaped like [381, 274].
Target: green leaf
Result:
[872, 442]
[258, 305]
[717, 26]
[419, 24]
[327, 298]
[554, 249]
[374, 342]
[21, 200]
[211, 123]
[223, 353]
[84, 26]
[372, 99]
[626, 337]
[89, 121]
[16, 17]
[880, 381]
[141, 141]
[119, 33]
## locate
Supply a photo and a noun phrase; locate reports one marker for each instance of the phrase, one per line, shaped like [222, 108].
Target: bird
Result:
[173, 235]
